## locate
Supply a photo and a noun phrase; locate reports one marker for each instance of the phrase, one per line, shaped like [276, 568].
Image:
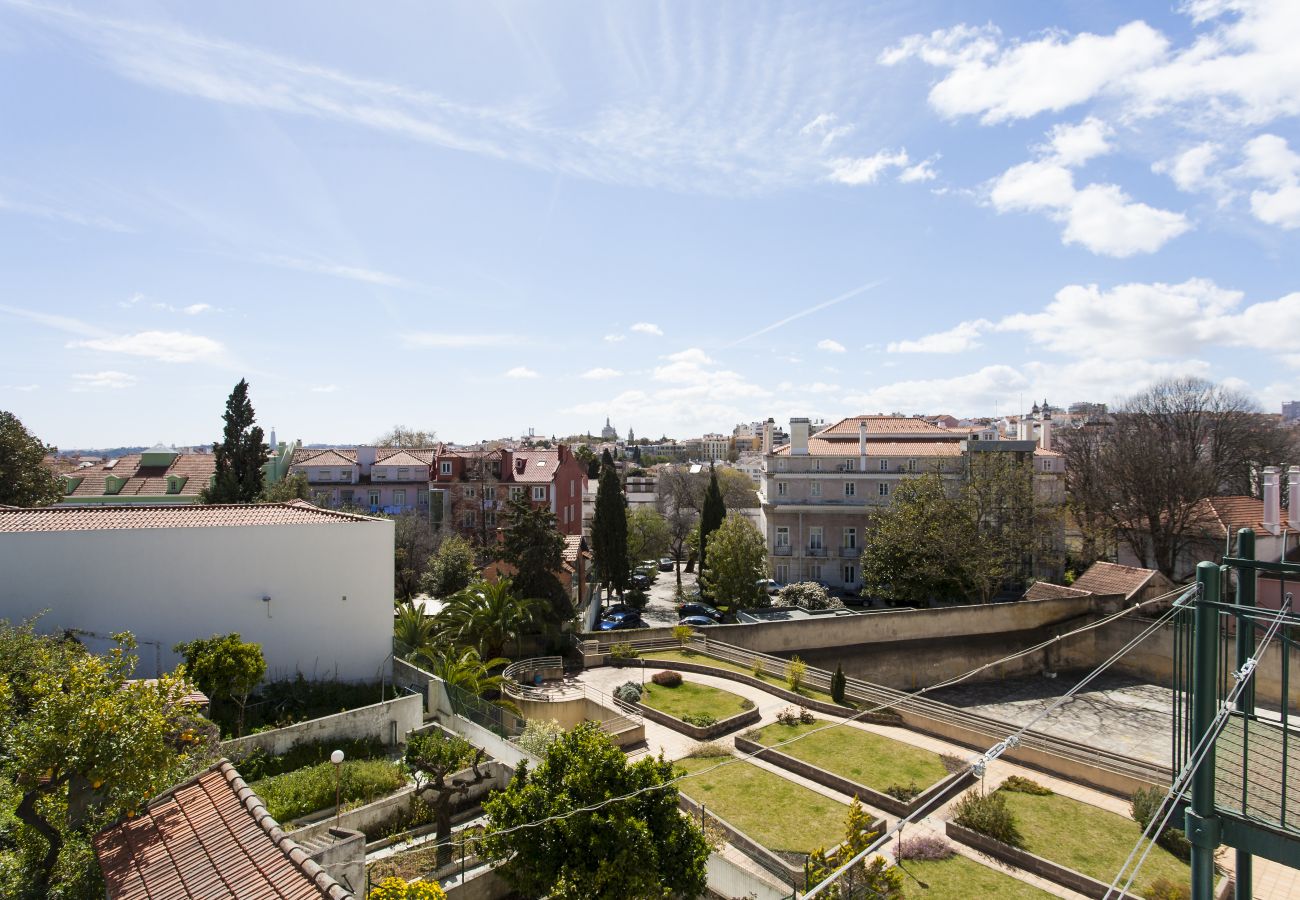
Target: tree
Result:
[647, 534]
[638, 847]
[809, 595]
[434, 758]
[414, 543]
[81, 745]
[711, 515]
[488, 615]
[585, 455]
[915, 546]
[240, 455]
[24, 479]
[838, 684]
[532, 543]
[450, 569]
[609, 532]
[636, 455]
[737, 562]
[874, 879]
[295, 487]
[401, 436]
[225, 668]
[412, 628]
[681, 524]
[462, 667]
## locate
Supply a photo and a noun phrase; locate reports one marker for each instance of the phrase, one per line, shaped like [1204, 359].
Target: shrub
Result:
[667, 678]
[758, 667]
[795, 672]
[296, 794]
[710, 749]
[621, 653]
[746, 703]
[923, 847]
[953, 764]
[398, 889]
[903, 793]
[1148, 804]
[806, 717]
[791, 716]
[540, 734]
[259, 764]
[838, 683]
[628, 692]
[699, 720]
[637, 599]
[989, 815]
[1164, 889]
[683, 633]
[1026, 786]
[808, 595]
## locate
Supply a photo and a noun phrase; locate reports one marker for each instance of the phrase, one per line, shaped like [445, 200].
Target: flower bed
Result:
[296, 794]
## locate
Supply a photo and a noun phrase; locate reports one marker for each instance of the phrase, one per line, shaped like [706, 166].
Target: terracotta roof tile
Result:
[210, 837]
[538, 466]
[1222, 515]
[401, 458]
[113, 518]
[894, 425]
[326, 457]
[144, 481]
[846, 449]
[1109, 578]
[1045, 590]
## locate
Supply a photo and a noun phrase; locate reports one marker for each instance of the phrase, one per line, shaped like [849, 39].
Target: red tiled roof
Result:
[193, 697]
[144, 481]
[572, 544]
[538, 466]
[1109, 578]
[1045, 590]
[210, 837]
[423, 456]
[819, 447]
[401, 458]
[326, 457]
[1222, 515]
[114, 518]
[1039, 451]
[893, 425]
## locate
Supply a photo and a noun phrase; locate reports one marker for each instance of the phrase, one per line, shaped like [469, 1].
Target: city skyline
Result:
[680, 218]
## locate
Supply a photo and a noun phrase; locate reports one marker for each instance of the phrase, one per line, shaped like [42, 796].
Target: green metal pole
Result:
[1246, 702]
[1201, 824]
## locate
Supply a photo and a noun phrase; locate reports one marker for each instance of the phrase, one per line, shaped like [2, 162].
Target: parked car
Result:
[640, 581]
[666, 564]
[619, 608]
[687, 610]
[697, 621]
[620, 621]
[772, 588]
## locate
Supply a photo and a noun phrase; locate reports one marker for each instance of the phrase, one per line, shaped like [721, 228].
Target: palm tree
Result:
[463, 668]
[412, 629]
[487, 615]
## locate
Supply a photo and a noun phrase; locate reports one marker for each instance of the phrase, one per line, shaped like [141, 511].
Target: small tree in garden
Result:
[225, 668]
[434, 757]
[795, 672]
[989, 815]
[541, 733]
[737, 562]
[838, 683]
[240, 455]
[809, 595]
[876, 878]
[683, 633]
[450, 569]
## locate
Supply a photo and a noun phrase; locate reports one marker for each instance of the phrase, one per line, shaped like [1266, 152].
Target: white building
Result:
[312, 586]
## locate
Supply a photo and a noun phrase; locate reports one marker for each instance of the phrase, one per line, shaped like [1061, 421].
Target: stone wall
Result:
[389, 721]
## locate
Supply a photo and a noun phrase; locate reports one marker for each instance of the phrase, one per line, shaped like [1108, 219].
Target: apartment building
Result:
[389, 480]
[469, 488]
[820, 490]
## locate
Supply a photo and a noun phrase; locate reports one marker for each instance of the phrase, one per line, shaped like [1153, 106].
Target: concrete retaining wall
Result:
[389, 721]
[701, 732]
[1023, 859]
[486, 885]
[727, 879]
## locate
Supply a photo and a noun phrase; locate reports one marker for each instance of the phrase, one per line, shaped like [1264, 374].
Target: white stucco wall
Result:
[175, 584]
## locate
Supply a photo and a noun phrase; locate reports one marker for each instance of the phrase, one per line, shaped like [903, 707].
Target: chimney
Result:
[366, 458]
[799, 437]
[768, 427]
[1293, 497]
[1045, 433]
[1272, 500]
[862, 445]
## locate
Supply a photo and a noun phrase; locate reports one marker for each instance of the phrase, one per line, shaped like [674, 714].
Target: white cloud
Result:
[25, 388]
[165, 346]
[972, 392]
[615, 338]
[447, 341]
[337, 270]
[957, 339]
[195, 309]
[1107, 221]
[1001, 83]
[325, 389]
[521, 372]
[1271, 160]
[823, 125]
[830, 345]
[866, 169]
[98, 381]
[922, 171]
[1190, 169]
[648, 328]
[1074, 145]
[601, 374]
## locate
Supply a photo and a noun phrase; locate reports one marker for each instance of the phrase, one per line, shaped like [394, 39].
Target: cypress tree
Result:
[240, 455]
[838, 683]
[609, 531]
[711, 514]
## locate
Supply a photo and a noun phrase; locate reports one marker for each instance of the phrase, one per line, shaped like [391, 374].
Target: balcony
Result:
[781, 551]
[816, 551]
[850, 552]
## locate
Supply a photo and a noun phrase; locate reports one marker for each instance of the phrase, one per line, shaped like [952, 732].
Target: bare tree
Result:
[401, 436]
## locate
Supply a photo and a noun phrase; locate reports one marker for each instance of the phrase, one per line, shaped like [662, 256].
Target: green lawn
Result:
[869, 759]
[779, 814]
[767, 678]
[1088, 839]
[959, 878]
[692, 698]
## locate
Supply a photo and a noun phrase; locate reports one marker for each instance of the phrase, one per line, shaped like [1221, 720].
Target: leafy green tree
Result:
[915, 547]
[532, 543]
[436, 757]
[875, 879]
[240, 455]
[412, 628]
[81, 745]
[638, 847]
[24, 480]
[462, 667]
[589, 459]
[737, 562]
[488, 615]
[413, 545]
[295, 487]
[609, 532]
[225, 668]
[647, 534]
[711, 515]
[450, 569]
[838, 684]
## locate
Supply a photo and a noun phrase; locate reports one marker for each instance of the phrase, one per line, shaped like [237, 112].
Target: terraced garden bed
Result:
[698, 710]
[765, 679]
[296, 794]
[959, 878]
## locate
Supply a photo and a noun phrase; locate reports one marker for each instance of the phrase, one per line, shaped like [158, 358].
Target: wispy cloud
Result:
[325, 389]
[648, 328]
[521, 372]
[847, 295]
[449, 341]
[25, 388]
[195, 309]
[56, 214]
[830, 345]
[337, 270]
[164, 346]
[59, 323]
[615, 338]
[100, 381]
[601, 374]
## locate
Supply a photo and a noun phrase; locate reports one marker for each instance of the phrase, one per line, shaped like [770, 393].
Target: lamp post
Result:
[337, 758]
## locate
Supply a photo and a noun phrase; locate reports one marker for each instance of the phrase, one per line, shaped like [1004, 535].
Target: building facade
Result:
[388, 480]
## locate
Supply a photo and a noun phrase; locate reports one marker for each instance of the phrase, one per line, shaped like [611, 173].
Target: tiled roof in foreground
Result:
[1110, 578]
[210, 837]
[115, 518]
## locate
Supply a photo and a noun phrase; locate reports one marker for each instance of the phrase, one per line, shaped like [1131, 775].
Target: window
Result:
[516, 493]
[850, 574]
[817, 465]
[374, 498]
[325, 475]
[781, 487]
[884, 465]
[815, 537]
[445, 467]
[815, 572]
[490, 492]
[467, 519]
[884, 488]
[403, 474]
[320, 498]
[850, 538]
[539, 492]
[911, 465]
[470, 492]
[571, 489]
[399, 498]
[490, 518]
[379, 473]
[345, 498]
[782, 537]
[850, 489]
[782, 572]
[1047, 465]
[780, 465]
[815, 489]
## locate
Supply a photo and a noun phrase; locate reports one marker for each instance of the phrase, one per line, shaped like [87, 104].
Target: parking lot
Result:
[662, 608]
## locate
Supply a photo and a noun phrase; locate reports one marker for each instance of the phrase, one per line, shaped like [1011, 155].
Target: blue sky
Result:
[478, 217]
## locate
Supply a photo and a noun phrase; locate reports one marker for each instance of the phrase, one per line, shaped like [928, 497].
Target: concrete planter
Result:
[933, 795]
[701, 732]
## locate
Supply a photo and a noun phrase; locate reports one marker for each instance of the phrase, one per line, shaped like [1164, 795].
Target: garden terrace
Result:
[299, 793]
[698, 710]
[766, 678]
[959, 878]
